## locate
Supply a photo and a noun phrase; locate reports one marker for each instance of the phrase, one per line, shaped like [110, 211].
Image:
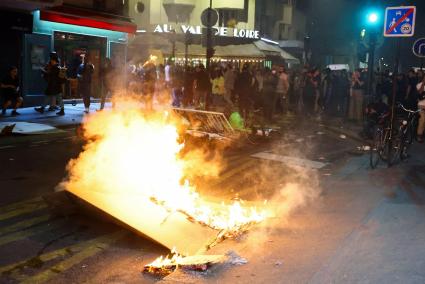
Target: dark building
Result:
[97, 28]
[283, 21]
[16, 21]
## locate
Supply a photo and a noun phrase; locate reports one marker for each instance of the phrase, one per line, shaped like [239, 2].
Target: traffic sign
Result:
[400, 21]
[209, 17]
[419, 48]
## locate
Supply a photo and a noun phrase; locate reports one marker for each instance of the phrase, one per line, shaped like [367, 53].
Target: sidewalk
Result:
[74, 115]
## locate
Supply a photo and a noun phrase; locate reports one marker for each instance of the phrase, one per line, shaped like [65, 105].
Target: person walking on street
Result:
[411, 93]
[202, 86]
[149, 82]
[10, 91]
[421, 95]
[269, 93]
[282, 89]
[85, 74]
[229, 84]
[107, 81]
[244, 86]
[343, 93]
[217, 82]
[312, 92]
[356, 97]
[55, 78]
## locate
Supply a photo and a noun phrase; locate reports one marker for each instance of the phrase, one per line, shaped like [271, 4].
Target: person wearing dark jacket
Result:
[10, 91]
[107, 77]
[52, 73]
[84, 75]
[202, 86]
[270, 80]
[244, 86]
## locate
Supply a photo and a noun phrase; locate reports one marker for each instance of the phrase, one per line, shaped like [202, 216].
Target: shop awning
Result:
[275, 50]
[87, 18]
[243, 51]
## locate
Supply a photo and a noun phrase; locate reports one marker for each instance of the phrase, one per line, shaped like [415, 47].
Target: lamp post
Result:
[372, 19]
[209, 38]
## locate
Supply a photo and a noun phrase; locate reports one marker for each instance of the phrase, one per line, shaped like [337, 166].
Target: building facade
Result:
[284, 21]
[166, 26]
[16, 21]
[149, 13]
[98, 29]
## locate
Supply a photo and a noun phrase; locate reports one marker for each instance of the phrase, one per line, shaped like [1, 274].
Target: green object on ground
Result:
[236, 121]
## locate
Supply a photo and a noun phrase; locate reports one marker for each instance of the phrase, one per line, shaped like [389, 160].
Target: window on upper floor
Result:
[230, 17]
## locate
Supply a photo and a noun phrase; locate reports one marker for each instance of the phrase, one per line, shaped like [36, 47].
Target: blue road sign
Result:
[400, 21]
[419, 47]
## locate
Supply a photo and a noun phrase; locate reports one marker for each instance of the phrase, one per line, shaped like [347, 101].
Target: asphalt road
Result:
[37, 246]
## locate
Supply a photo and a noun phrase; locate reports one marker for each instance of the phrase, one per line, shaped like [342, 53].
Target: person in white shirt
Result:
[421, 126]
[167, 74]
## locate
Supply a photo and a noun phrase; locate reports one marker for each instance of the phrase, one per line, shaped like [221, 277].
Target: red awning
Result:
[87, 18]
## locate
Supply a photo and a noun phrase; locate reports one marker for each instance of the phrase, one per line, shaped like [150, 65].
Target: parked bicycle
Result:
[407, 129]
[390, 145]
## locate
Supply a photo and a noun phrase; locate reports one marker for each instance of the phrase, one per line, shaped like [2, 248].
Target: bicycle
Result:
[379, 147]
[389, 147]
[407, 130]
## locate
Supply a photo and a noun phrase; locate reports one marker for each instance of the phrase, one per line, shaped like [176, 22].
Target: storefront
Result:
[168, 41]
[170, 46]
[71, 32]
[13, 27]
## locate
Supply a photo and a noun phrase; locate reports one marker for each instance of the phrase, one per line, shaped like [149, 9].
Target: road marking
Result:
[40, 142]
[69, 138]
[96, 247]
[24, 224]
[63, 252]
[234, 171]
[31, 207]
[18, 204]
[290, 161]
[235, 163]
[20, 235]
[7, 147]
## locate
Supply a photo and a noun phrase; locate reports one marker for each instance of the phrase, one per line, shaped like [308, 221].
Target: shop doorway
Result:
[69, 47]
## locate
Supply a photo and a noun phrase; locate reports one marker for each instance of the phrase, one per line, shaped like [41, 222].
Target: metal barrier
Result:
[206, 121]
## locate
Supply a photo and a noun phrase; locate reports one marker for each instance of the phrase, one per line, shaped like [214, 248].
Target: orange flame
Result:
[131, 152]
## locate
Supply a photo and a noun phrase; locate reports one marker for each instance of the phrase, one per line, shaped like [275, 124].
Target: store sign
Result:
[219, 31]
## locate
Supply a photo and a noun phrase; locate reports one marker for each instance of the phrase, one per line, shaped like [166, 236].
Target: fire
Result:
[131, 153]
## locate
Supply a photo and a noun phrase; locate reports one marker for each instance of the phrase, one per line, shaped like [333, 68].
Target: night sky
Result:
[334, 24]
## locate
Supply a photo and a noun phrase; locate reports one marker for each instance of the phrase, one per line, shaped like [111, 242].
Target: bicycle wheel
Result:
[394, 147]
[376, 149]
[406, 141]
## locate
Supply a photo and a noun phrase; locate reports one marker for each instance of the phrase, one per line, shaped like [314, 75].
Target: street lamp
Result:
[373, 19]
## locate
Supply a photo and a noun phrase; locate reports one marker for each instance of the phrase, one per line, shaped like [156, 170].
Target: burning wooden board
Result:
[170, 229]
[193, 263]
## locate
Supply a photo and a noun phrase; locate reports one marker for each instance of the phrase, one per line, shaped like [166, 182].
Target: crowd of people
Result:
[307, 91]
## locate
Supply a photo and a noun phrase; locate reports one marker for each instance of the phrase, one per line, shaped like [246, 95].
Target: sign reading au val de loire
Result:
[219, 31]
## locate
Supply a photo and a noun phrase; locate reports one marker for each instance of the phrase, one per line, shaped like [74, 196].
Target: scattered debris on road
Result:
[163, 266]
[342, 136]
[363, 148]
[234, 259]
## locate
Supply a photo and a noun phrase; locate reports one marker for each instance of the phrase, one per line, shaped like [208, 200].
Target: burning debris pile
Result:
[165, 265]
[131, 168]
[162, 266]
